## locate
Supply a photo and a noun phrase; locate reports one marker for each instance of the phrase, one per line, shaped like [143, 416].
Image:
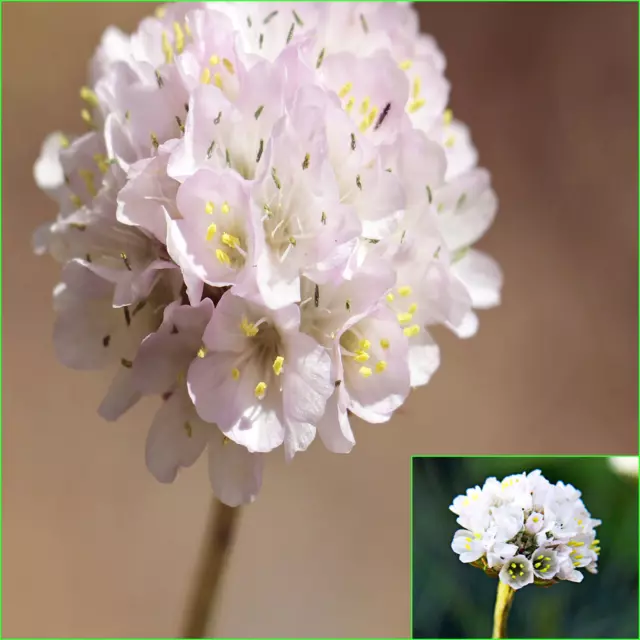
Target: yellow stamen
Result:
[361, 356]
[411, 331]
[405, 291]
[205, 77]
[64, 141]
[166, 48]
[223, 257]
[250, 330]
[404, 318]
[278, 363]
[345, 90]
[447, 117]
[214, 60]
[349, 105]
[235, 374]
[413, 307]
[86, 116]
[211, 231]
[75, 199]
[364, 107]
[365, 344]
[416, 104]
[416, 88]
[384, 343]
[177, 29]
[102, 162]
[228, 65]
[217, 80]
[405, 64]
[261, 389]
[209, 207]
[225, 207]
[449, 142]
[230, 241]
[89, 96]
[160, 12]
[381, 366]
[365, 372]
[390, 297]
[87, 176]
[202, 352]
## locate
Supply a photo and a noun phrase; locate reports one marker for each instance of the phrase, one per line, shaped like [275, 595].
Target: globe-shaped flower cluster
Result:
[270, 207]
[526, 530]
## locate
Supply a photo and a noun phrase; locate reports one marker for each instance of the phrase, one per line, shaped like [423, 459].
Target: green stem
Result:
[215, 551]
[504, 598]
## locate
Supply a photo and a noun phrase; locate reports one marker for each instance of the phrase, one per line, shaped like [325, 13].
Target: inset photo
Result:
[524, 547]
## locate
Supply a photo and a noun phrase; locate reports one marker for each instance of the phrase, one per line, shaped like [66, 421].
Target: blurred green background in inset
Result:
[455, 600]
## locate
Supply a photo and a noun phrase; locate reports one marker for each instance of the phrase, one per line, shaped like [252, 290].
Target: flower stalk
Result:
[504, 599]
[216, 548]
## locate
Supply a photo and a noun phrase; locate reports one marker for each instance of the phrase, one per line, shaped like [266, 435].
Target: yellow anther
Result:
[349, 105]
[450, 141]
[416, 104]
[447, 117]
[228, 65]
[250, 330]
[411, 331]
[202, 352]
[477, 535]
[225, 207]
[75, 200]
[101, 161]
[513, 565]
[404, 318]
[214, 60]
[405, 291]
[278, 363]
[205, 76]
[211, 231]
[230, 241]
[575, 564]
[405, 64]
[261, 389]
[537, 565]
[364, 107]
[88, 177]
[86, 116]
[235, 373]
[596, 541]
[390, 297]
[187, 29]
[416, 88]
[384, 343]
[217, 80]
[223, 257]
[365, 372]
[64, 141]
[544, 570]
[160, 12]
[467, 547]
[345, 90]
[381, 366]
[209, 207]
[361, 356]
[177, 29]
[89, 96]
[166, 48]
[413, 307]
[365, 344]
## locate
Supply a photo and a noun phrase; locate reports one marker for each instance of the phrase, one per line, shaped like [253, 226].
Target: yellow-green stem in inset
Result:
[216, 547]
[504, 598]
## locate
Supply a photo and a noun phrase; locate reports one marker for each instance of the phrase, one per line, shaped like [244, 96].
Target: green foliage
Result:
[454, 600]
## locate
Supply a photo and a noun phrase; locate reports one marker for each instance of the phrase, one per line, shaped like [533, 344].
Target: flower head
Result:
[526, 530]
[270, 206]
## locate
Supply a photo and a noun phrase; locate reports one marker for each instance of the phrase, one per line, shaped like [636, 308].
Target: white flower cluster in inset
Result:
[271, 206]
[526, 530]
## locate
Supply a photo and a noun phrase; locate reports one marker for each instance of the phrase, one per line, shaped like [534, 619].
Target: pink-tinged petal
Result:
[465, 208]
[424, 358]
[177, 437]
[482, 277]
[121, 396]
[149, 194]
[308, 383]
[234, 473]
[334, 428]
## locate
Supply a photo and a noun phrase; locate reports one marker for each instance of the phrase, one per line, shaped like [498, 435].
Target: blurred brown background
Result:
[93, 546]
